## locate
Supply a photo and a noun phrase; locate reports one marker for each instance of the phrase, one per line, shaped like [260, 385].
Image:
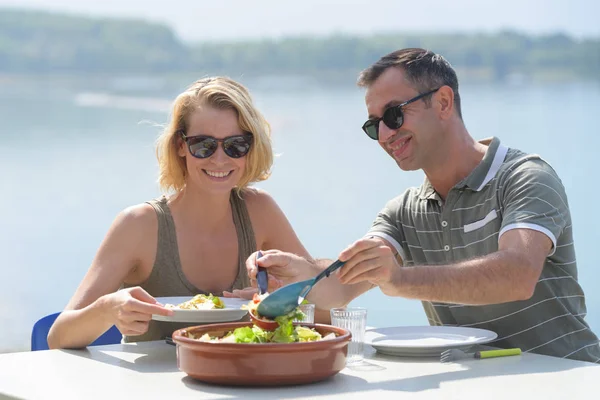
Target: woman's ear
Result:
[445, 101]
[181, 146]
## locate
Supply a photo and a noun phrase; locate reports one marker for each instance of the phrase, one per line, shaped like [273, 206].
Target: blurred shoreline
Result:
[60, 46]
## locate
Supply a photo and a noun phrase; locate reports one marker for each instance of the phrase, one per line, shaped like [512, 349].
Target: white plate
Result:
[429, 341]
[231, 312]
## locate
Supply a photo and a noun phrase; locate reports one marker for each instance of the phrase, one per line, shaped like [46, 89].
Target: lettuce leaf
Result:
[244, 335]
[305, 334]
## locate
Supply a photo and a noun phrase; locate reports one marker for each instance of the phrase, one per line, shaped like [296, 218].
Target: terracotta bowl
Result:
[260, 364]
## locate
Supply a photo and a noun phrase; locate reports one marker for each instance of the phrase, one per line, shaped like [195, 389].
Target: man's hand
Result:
[370, 260]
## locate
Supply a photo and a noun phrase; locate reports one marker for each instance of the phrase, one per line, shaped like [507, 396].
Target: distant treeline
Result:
[47, 43]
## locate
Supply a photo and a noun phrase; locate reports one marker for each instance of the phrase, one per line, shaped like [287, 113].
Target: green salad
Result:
[285, 331]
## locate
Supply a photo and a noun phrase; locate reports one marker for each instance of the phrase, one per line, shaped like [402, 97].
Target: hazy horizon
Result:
[273, 19]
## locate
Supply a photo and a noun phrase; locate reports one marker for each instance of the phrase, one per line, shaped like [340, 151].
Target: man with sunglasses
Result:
[486, 241]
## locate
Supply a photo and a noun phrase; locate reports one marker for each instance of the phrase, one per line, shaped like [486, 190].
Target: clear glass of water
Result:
[353, 319]
[309, 311]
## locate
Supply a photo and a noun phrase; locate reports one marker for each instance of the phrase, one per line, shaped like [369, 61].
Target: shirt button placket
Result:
[445, 225]
[446, 232]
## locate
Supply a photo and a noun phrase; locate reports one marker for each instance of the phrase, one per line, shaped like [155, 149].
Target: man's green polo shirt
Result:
[507, 190]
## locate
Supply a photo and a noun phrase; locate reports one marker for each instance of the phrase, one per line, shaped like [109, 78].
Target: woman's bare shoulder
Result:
[137, 217]
[259, 201]
[131, 242]
[134, 224]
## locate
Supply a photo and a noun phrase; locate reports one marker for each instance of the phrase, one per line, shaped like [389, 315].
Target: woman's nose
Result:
[219, 156]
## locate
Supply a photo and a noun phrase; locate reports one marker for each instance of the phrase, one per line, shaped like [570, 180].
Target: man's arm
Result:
[508, 274]
[535, 212]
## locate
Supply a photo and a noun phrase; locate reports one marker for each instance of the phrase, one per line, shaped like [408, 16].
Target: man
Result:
[486, 241]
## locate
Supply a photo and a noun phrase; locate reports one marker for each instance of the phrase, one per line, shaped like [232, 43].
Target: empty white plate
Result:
[231, 312]
[428, 341]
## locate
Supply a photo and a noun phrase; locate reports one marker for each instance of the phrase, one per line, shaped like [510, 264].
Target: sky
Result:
[197, 20]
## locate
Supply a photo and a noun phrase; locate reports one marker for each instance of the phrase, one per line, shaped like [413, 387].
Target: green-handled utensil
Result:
[456, 354]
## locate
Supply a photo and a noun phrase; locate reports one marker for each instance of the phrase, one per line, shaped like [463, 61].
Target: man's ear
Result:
[443, 100]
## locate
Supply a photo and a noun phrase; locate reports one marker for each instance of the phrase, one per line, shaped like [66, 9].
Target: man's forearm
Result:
[496, 278]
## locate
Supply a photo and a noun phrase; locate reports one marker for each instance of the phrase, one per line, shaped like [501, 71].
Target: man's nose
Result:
[385, 133]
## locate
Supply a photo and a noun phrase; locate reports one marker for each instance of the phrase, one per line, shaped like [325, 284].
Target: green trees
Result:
[35, 42]
[45, 43]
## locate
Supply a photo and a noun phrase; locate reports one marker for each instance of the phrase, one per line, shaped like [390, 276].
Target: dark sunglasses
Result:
[393, 117]
[205, 146]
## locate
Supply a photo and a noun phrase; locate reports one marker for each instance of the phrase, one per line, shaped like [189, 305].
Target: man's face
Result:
[412, 145]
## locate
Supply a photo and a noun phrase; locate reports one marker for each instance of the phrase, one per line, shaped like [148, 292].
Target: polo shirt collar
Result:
[481, 175]
[427, 191]
[488, 167]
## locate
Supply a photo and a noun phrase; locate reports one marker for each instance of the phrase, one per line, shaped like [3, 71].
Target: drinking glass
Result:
[309, 311]
[353, 319]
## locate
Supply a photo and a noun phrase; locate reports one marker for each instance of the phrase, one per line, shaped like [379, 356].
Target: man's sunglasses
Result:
[393, 117]
[205, 146]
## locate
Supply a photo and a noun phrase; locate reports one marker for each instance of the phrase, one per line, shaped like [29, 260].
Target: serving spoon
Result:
[285, 299]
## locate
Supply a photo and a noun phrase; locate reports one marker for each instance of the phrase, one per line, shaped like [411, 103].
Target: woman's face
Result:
[217, 172]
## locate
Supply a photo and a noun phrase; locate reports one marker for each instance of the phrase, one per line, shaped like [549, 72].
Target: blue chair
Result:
[39, 334]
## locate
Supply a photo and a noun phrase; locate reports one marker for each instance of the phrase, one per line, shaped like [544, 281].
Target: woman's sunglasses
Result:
[205, 146]
[393, 117]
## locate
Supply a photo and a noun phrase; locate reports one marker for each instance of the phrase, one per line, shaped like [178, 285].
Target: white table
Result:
[149, 371]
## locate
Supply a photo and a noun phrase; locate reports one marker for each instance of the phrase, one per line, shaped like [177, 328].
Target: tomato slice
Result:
[263, 323]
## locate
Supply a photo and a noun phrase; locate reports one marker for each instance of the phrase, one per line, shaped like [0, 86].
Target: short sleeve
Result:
[533, 197]
[386, 226]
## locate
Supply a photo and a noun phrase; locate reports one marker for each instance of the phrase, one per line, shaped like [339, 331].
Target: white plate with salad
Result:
[202, 309]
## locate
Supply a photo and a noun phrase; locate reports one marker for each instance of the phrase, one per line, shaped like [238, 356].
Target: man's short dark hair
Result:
[424, 70]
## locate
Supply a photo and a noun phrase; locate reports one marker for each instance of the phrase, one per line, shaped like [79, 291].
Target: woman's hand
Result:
[283, 268]
[246, 293]
[131, 310]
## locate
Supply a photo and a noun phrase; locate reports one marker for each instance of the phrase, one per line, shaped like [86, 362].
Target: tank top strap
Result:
[167, 238]
[245, 234]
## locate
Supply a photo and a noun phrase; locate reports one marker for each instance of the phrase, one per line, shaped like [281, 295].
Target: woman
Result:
[197, 239]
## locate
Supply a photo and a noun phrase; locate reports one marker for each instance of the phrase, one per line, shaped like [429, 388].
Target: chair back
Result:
[39, 334]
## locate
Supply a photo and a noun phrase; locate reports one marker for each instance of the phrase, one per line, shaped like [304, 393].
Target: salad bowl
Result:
[259, 364]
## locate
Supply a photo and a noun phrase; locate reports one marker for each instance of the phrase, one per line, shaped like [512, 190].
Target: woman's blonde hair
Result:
[220, 93]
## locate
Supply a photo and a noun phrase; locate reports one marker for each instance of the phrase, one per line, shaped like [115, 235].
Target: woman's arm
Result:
[274, 231]
[97, 305]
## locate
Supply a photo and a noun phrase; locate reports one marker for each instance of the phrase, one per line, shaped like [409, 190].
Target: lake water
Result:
[71, 159]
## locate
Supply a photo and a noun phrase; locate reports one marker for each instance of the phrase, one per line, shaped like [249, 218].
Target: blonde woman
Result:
[197, 238]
